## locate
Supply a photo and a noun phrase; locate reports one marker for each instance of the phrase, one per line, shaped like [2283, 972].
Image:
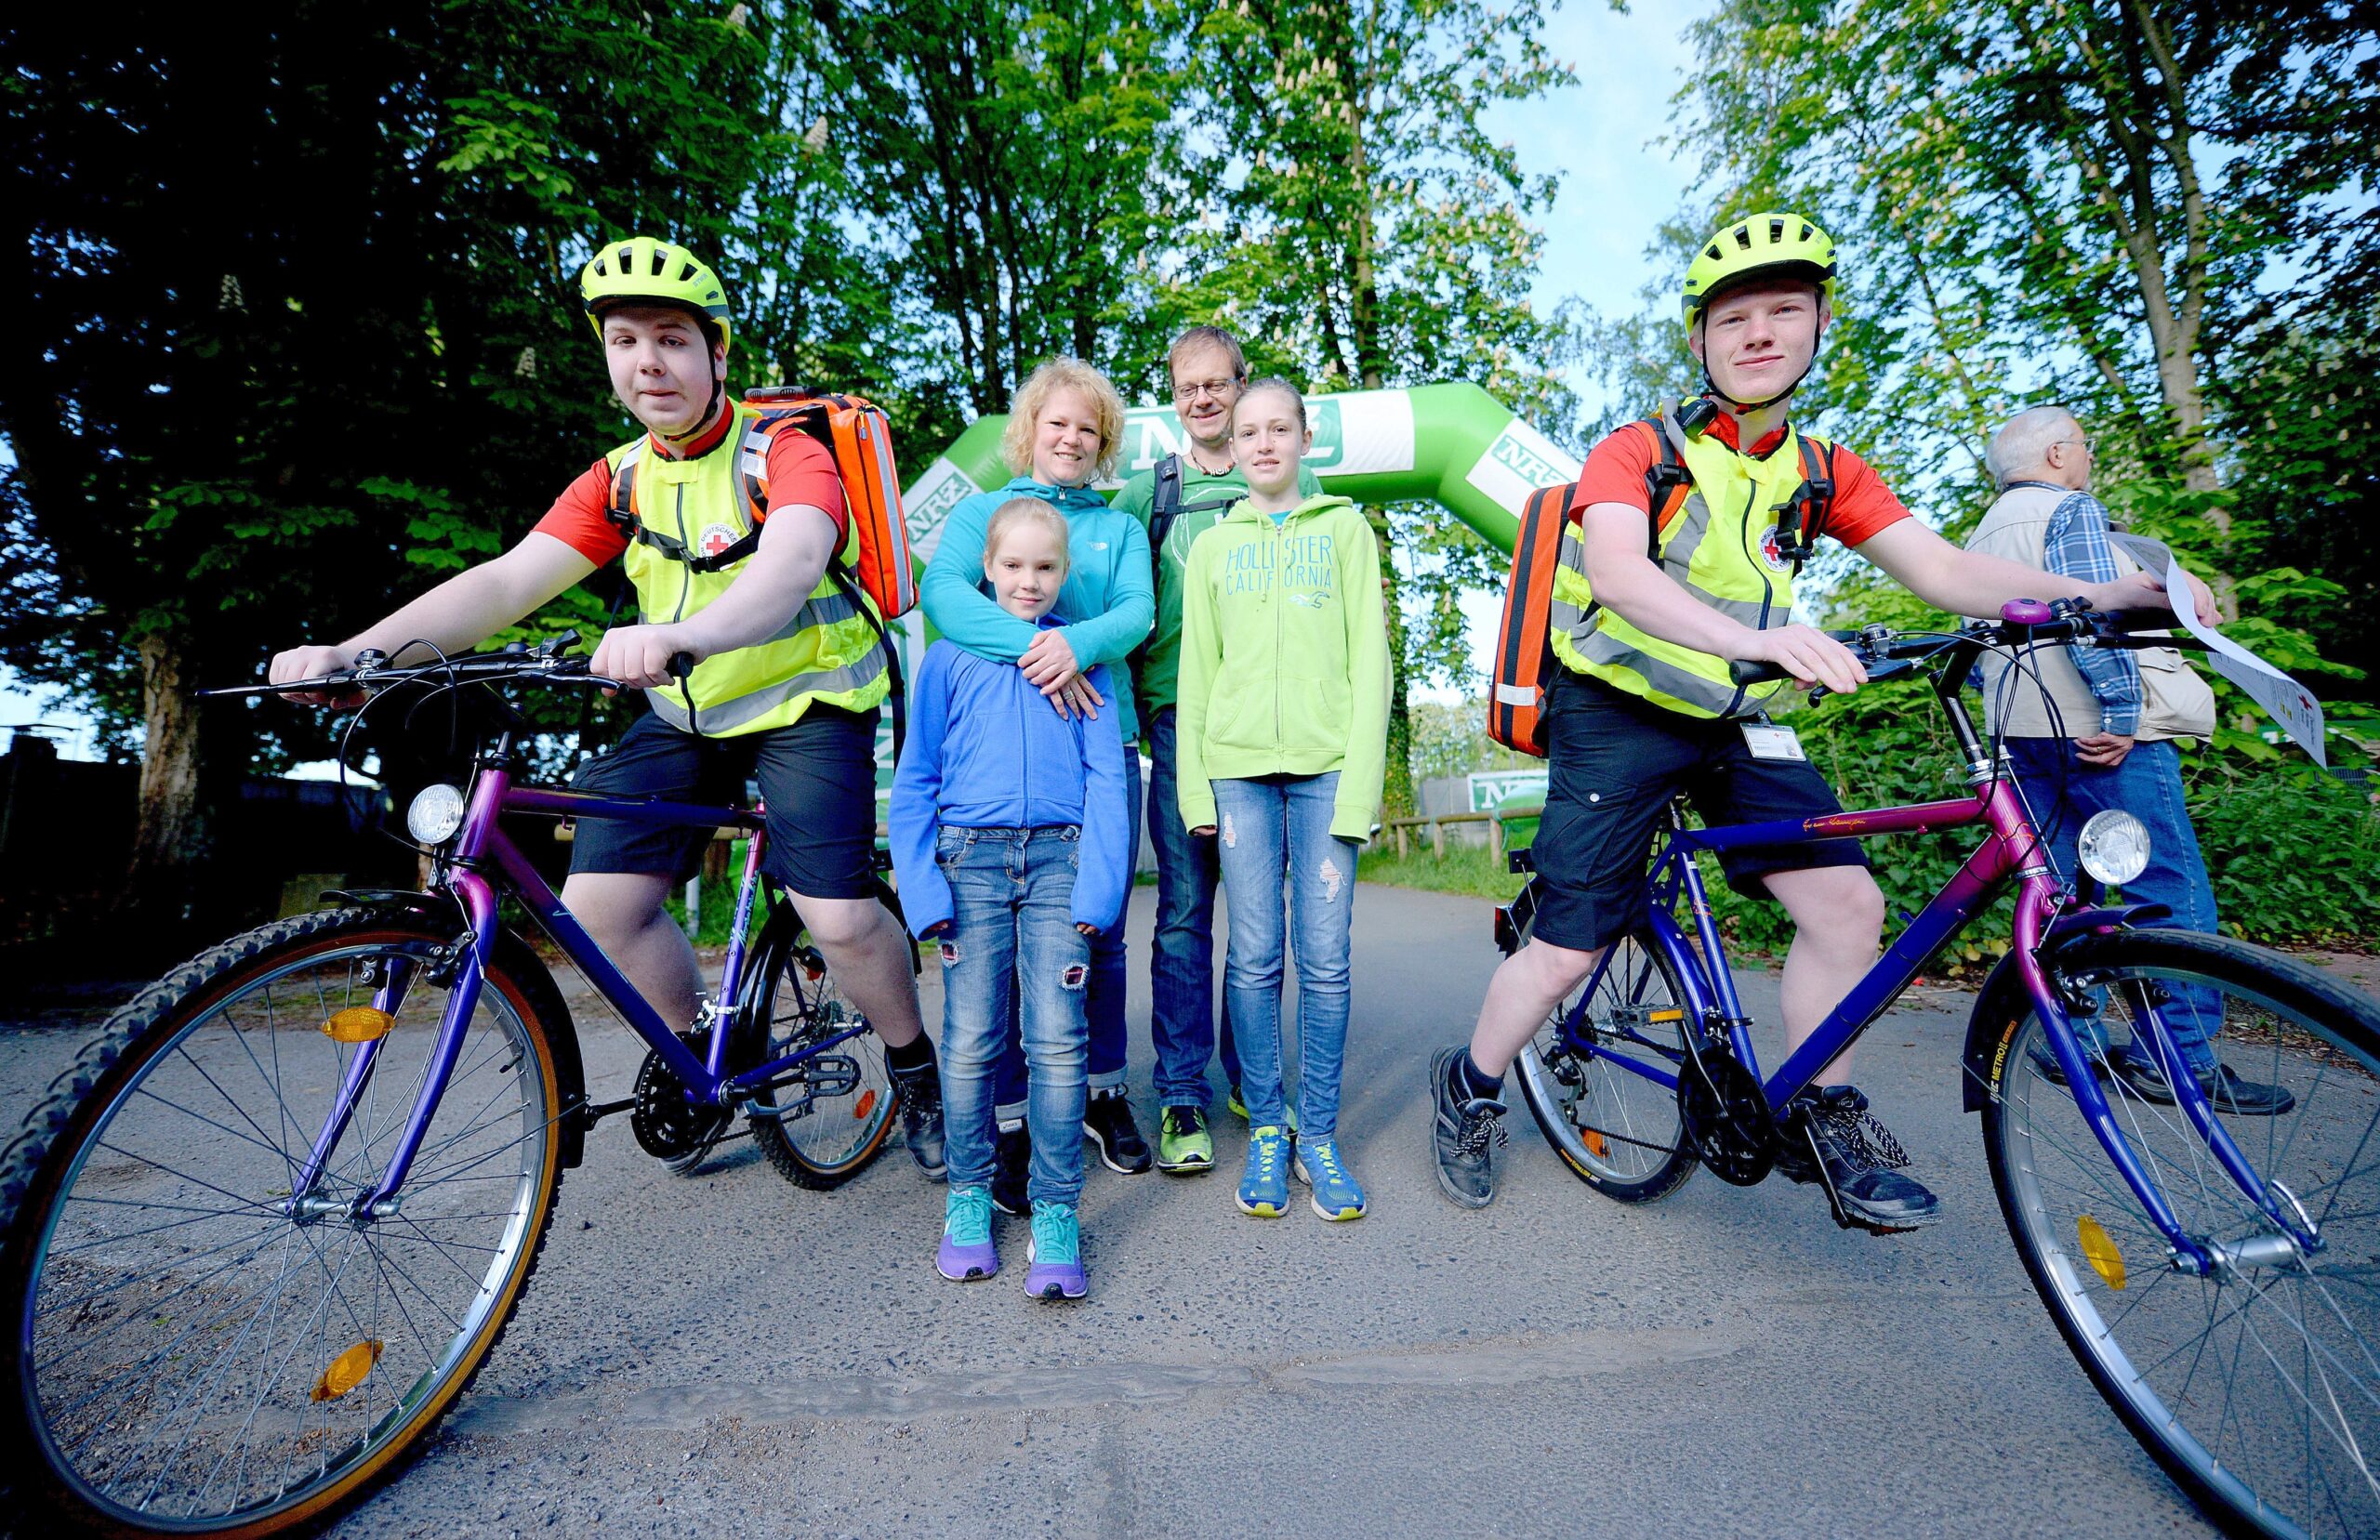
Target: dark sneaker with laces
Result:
[1462, 1133]
[1107, 1119]
[921, 1119]
[1861, 1160]
[2046, 1062]
[1012, 1172]
[2221, 1085]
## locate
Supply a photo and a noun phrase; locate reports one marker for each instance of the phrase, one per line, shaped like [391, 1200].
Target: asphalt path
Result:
[725, 1354]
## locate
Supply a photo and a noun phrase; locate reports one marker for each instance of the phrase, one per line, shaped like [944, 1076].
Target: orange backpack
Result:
[1525, 661]
[855, 432]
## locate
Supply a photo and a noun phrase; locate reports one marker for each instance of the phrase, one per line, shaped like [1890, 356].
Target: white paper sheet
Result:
[2285, 700]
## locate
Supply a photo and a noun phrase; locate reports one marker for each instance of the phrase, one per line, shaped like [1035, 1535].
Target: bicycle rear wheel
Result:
[2258, 1388]
[823, 1126]
[191, 1349]
[1617, 1130]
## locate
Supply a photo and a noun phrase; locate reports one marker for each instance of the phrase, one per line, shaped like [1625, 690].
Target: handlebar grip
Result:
[1744, 671]
[681, 665]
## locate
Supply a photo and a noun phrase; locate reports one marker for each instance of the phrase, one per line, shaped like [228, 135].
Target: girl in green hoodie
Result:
[1283, 724]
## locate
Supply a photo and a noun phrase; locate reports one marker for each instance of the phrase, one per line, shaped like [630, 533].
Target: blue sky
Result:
[1616, 187]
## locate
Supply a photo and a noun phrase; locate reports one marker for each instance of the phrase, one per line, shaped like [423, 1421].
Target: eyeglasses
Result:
[1215, 387]
[2085, 441]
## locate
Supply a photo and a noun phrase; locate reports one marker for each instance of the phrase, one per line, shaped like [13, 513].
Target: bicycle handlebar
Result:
[1887, 654]
[517, 661]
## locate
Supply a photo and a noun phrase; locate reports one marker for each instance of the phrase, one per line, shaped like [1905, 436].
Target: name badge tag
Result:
[1768, 741]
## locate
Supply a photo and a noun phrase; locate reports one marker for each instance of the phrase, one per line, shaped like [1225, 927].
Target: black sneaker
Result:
[921, 1119]
[1856, 1160]
[1107, 1117]
[1460, 1135]
[1013, 1171]
[2221, 1085]
[2051, 1071]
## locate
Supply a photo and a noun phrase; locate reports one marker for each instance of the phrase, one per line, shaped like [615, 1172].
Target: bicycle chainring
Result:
[668, 1127]
[1725, 1114]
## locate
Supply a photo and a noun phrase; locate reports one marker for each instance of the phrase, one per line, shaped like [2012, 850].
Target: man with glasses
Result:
[2090, 729]
[1179, 499]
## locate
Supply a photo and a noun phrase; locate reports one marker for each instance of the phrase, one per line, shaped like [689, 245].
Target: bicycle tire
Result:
[791, 1000]
[1629, 1146]
[96, 1144]
[2215, 1375]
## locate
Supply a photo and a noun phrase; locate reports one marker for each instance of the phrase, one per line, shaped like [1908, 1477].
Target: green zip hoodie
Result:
[1285, 658]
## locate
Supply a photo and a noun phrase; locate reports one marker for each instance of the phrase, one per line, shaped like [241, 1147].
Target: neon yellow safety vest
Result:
[694, 528]
[1719, 545]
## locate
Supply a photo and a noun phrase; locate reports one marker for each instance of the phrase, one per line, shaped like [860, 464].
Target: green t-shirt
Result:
[1160, 661]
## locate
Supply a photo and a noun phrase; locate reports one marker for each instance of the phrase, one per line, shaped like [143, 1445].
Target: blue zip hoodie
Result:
[1107, 578]
[986, 752]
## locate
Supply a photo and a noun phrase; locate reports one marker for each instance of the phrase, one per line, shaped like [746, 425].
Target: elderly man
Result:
[2099, 729]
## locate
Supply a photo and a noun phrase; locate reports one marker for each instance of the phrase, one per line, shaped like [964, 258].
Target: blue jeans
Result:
[1269, 829]
[2147, 785]
[1182, 956]
[1105, 1007]
[1013, 942]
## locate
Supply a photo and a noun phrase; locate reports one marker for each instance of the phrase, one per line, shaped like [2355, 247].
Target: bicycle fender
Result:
[442, 913]
[2001, 1005]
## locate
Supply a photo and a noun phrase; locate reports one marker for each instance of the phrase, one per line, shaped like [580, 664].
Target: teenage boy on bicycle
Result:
[1643, 708]
[787, 673]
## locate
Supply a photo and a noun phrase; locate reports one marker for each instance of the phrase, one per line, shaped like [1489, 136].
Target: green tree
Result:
[1379, 236]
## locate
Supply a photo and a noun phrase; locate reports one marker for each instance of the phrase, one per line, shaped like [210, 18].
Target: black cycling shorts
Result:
[1615, 761]
[818, 778]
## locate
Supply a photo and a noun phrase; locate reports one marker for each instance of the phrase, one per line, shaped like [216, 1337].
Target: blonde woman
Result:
[1066, 427]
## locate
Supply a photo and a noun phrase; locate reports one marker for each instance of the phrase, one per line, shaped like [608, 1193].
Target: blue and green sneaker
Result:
[967, 1250]
[1264, 1188]
[1336, 1193]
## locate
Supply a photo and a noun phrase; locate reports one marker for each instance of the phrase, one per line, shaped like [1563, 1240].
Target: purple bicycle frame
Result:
[2013, 848]
[480, 841]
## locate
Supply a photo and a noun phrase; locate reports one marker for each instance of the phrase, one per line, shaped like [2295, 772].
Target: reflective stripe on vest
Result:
[827, 652]
[1721, 549]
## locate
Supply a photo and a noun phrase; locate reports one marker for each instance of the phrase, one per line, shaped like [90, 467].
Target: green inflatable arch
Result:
[1452, 444]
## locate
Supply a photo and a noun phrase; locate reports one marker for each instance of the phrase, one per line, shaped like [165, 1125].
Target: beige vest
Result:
[2176, 703]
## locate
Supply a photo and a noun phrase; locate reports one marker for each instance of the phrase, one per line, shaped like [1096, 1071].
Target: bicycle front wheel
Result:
[1616, 1129]
[192, 1346]
[2256, 1386]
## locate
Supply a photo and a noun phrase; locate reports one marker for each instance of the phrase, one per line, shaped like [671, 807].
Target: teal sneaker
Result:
[1336, 1193]
[1239, 1108]
[967, 1249]
[1054, 1254]
[1264, 1190]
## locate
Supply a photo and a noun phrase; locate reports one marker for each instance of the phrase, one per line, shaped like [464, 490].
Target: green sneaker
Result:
[1239, 1108]
[1183, 1146]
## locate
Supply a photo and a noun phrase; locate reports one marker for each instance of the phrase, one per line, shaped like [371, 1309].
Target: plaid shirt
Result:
[2075, 545]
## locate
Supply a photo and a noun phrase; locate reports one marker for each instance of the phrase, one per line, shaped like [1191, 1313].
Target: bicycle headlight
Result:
[2113, 846]
[436, 813]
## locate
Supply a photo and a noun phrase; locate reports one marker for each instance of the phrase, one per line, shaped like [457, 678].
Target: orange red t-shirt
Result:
[1617, 467]
[800, 471]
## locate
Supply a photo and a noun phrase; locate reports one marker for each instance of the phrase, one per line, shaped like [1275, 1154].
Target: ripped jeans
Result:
[1012, 937]
[1269, 829]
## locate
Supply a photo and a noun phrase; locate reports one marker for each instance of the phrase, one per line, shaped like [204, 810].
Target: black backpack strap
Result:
[1164, 504]
[621, 511]
[1801, 519]
[1666, 475]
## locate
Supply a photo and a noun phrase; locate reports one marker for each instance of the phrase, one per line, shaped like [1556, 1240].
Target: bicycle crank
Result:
[1725, 1114]
[671, 1128]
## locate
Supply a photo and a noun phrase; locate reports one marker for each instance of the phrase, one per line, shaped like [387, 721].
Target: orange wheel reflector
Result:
[1595, 1145]
[867, 1104]
[346, 1371]
[2099, 1250]
[1665, 1015]
[358, 1024]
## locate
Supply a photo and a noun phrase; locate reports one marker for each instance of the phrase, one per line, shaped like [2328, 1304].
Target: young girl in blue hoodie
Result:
[1065, 431]
[1011, 844]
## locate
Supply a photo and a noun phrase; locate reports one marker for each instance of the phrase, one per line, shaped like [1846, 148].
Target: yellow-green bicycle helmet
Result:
[1774, 244]
[644, 270]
